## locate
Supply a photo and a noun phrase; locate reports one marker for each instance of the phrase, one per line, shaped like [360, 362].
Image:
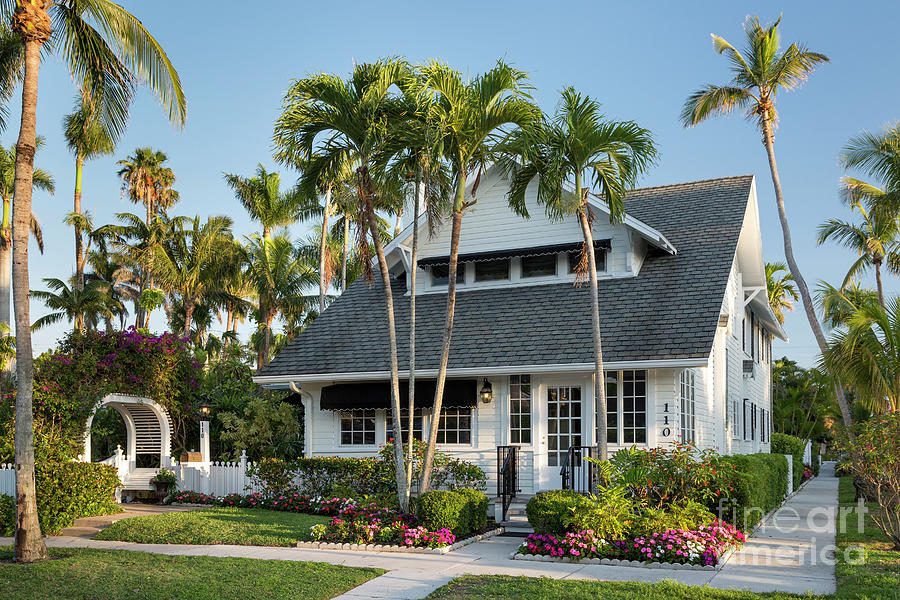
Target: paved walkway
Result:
[775, 559]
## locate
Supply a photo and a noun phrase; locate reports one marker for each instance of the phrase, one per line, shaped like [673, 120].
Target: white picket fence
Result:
[8, 480]
[216, 478]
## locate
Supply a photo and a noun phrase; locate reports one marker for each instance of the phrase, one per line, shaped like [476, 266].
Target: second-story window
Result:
[599, 257]
[440, 274]
[492, 270]
[538, 266]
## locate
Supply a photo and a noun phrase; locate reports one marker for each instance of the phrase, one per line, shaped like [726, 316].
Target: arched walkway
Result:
[148, 432]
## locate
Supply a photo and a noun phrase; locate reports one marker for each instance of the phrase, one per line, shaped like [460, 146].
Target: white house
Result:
[685, 321]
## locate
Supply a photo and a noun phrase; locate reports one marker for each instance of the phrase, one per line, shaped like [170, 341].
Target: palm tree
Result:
[80, 307]
[188, 263]
[121, 284]
[759, 73]
[87, 138]
[280, 278]
[468, 115]
[875, 239]
[105, 61]
[577, 143]
[42, 180]
[351, 116]
[781, 291]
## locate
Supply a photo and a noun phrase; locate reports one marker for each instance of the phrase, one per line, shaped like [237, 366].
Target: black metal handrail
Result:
[578, 474]
[507, 475]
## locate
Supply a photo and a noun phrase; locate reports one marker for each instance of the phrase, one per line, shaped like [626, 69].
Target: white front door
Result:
[563, 427]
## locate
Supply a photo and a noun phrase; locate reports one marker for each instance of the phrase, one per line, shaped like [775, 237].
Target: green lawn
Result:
[246, 526]
[533, 588]
[879, 577]
[76, 573]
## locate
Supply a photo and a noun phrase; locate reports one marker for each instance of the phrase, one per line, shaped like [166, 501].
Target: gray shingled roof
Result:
[669, 311]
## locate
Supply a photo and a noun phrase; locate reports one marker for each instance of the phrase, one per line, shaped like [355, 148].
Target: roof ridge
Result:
[683, 183]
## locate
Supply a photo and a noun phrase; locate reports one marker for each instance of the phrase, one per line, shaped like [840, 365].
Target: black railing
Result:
[578, 474]
[507, 475]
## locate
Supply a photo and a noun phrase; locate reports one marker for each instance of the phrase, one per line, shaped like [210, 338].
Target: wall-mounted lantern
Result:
[487, 392]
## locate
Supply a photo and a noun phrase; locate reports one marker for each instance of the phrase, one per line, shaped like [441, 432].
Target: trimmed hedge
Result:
[760, 486]
[7, 516]
[546, 511]
[462, 511]
[783, 443]
[71, 490]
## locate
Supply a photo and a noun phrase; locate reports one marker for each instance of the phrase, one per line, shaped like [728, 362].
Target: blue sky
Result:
[640, 59]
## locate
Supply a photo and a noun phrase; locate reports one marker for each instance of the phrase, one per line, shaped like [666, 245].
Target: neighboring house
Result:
[686, 328]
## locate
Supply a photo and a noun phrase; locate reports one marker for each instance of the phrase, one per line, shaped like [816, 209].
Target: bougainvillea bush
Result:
[703, 546]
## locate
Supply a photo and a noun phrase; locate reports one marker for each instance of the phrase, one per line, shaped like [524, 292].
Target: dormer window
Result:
[599, 257]
[543, 265]
[440, 274]
[492, 270]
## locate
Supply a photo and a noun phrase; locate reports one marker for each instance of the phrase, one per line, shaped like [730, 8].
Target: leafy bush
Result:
[449, 472]
[476, 508]
[264, 428]
[760, 485]
[875, 463]
[687, 516]
[444, 509]
[549, 512]
[789, 444]
[71, 490]
[7, 516]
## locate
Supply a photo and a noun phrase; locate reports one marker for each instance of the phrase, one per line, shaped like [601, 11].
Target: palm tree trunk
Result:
[229, 319]
[414, 261]
[805, 296]
[188, 316]
[599, 379]
[323, 276]
[79, 249]
[267, 343]
[878, 282]
[428, 461]
[399, 466]
[345, 253]
[29, 545]
[6, 266]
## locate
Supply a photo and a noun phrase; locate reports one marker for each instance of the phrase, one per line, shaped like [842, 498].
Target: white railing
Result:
[216, 478]
[8, 480]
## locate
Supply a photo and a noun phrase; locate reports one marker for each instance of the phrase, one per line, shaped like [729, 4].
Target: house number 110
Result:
[666, 431]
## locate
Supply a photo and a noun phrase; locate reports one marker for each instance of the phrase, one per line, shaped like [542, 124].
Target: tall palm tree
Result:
[80, 307]
[88, 138]
[280, 278]
[468, 115]
[188, 263]
[578, 143]
[781, 291]
[121, 284]
[106, 49]
[332, 118]
[42, 180]
[875, 240]
[759, 73]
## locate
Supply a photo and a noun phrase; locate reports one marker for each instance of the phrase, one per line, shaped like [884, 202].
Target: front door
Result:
[563, 424]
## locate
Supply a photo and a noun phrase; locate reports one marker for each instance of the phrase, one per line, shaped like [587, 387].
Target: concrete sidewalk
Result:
[778, 558]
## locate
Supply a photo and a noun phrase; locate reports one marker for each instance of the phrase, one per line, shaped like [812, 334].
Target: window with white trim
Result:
[520, 409]
[626, 407]
[687, 401]
[455, 426]
[540, 265]
[612, 407]
[404, 424]
[492, 270]
[599, 259]
[357, 427]
[746, 419]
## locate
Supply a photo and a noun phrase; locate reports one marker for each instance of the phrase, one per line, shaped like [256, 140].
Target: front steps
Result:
[516, 520]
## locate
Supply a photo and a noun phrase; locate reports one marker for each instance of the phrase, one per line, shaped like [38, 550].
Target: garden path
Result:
[775, 559]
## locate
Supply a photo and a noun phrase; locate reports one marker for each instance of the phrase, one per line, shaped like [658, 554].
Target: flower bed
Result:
[704, 547]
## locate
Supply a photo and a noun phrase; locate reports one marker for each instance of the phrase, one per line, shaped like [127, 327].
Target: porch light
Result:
[203, 409]
[487, 392]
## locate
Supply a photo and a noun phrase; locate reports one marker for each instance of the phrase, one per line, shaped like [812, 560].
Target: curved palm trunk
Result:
[29, 545]
[79, 247]
[399, 466]
[805, 296]
[267, 342]
[599, 379]
[6, 266]
[414, 261]
[345, 253]
[323, 238]
[428, 461]
[877, 262]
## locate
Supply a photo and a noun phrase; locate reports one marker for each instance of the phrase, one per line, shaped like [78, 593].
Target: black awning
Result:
[458, 393]
[519, 252]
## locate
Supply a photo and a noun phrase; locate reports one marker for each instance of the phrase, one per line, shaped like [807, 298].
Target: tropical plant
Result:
[188, 262]
[326, 119]
[87, 137]
[263, 199]
[42, 180]
[121, 284]
[759, 73]
[577, 142]
[82, 307]
[781, 291]
[802, 400]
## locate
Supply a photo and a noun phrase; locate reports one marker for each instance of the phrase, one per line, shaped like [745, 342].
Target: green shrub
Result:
[783, 443]
[439, 509]
[322, 476]
[687, 515]
[449, 472]
[610, 514]
[7, 516]
[760, 485]
[550, 512]
[71, 490]
[476, 508]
